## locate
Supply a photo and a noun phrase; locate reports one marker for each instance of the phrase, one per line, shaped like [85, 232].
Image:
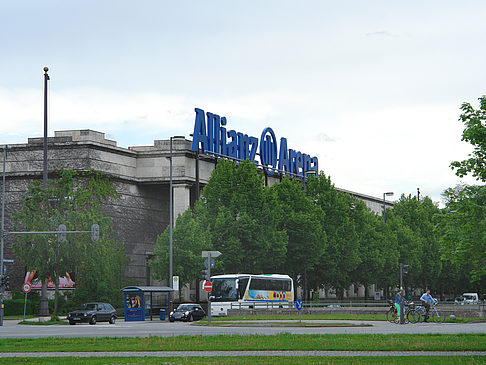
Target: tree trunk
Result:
[44, 303]
[56, 295]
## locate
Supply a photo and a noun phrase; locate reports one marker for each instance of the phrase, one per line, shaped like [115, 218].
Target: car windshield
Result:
[184, 307]
[87, 306]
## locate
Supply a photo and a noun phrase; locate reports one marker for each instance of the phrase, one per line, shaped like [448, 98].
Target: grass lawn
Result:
[394, 342]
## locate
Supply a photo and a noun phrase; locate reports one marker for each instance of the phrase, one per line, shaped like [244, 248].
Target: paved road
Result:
[160, 328]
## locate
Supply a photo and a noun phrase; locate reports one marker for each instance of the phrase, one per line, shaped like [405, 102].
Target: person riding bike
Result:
[427, 299]
[399, 299]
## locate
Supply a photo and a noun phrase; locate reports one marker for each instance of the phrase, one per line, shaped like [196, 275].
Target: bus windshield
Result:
[224, 289]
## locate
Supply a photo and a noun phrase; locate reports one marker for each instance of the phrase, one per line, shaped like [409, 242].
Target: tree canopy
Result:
[73, 199]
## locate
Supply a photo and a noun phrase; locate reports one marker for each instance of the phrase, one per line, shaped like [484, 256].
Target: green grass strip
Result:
[281, 360]
[340, 317]
[281, 324]
[285, 341]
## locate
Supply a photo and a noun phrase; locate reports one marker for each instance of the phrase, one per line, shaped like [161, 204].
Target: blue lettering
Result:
[199, 135]
[222, 136]
[292, 161]
[211, 135]
[299, 166]
[232, 146]
[243, 144]
[268, 150]
[315, 164]
[253, 148]
[283, 159]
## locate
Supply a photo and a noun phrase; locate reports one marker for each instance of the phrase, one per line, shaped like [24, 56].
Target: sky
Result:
[373, 88]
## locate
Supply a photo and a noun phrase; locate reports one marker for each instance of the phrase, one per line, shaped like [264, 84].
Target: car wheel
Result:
[93, 320]
[112, 320]
[171, 320]
[72, 323]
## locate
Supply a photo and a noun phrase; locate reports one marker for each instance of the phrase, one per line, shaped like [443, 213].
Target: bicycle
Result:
[392, 313]
[413, 315]
[409, 313]
[434, 312]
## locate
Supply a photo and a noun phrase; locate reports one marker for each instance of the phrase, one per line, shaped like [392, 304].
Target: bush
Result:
[15, 307]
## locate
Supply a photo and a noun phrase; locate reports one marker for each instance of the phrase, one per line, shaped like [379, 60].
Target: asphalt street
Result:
[11, 329]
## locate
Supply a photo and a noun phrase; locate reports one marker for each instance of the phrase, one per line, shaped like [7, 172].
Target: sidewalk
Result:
[241, 353]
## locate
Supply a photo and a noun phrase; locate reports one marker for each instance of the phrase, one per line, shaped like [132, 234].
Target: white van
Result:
[471, 298]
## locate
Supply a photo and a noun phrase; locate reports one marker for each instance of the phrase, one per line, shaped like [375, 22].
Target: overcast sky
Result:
[372, 88]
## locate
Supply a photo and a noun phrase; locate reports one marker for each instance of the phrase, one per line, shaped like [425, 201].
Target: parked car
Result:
[471, 298]
[187, 312]
[92, 313]
[459, 300]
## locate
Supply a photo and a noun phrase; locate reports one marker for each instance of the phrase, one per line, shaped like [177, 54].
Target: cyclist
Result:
[427, 299]
[398, 300]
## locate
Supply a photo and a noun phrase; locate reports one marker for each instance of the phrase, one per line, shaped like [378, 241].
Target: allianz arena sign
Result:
[212, 136]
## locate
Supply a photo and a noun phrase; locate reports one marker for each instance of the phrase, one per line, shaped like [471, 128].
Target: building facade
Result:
[141, 175]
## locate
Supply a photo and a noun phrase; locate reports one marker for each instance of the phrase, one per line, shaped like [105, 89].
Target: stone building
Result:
[141, 176]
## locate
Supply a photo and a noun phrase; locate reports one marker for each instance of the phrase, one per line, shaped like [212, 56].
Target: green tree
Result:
[463, 229]
[342, 255]
[73, 199]
[421, 216]
[302, 221]
[475, 133]
[375, 249]
[189, 238]
[240, 214]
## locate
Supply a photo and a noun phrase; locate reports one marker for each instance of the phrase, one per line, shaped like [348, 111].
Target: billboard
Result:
[65, 282]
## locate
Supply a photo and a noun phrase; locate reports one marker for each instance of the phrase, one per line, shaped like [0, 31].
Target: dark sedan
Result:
[92, 313]
[187, 313]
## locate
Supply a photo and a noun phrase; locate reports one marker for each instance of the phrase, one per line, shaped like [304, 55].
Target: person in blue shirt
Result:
[398, 300]
[427, 299]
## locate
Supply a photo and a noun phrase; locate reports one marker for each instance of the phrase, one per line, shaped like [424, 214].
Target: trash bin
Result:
[162, 314]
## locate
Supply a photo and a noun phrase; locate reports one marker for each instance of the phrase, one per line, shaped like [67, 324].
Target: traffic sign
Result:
[206, 263]
[211, 254]
[298, 304]
[26, 287]
[208, 286]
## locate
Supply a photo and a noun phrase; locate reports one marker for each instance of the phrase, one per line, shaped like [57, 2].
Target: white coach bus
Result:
[250, 291]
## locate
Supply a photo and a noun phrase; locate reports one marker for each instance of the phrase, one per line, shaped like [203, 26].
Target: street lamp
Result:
[390, 193]
[308, 172]
[171, 211]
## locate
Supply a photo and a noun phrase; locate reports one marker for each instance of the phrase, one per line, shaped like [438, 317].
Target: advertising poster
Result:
[65, 282]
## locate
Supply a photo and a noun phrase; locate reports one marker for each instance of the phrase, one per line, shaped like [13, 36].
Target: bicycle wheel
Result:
[438, 317]
[413, 316]
[422, 314]
[391, 315]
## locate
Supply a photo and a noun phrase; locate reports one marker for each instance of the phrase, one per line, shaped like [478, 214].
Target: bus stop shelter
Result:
[135, 306]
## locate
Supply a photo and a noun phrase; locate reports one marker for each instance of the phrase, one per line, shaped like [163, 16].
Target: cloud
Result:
[323, 137]
[381, 33]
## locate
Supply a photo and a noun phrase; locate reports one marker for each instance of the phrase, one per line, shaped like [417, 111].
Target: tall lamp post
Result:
[2, 233]
[44, 304]
[171, 216]
[308, 172]
[390, 193]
